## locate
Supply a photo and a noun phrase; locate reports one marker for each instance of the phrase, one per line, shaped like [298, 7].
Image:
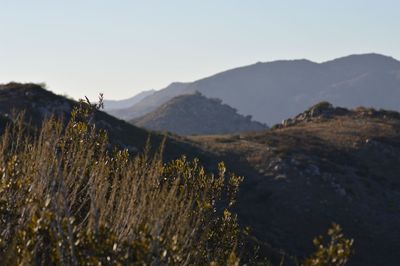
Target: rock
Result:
[341, 191]
[320, 110]
[313, 170]
[281, 176]
[295, 162]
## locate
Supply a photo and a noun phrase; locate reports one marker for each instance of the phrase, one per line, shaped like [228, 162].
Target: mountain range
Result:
[114, 104]
[326, 164]
[273, 91]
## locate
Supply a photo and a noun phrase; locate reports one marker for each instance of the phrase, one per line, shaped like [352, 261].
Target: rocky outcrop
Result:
[325, 110]
[322, 110]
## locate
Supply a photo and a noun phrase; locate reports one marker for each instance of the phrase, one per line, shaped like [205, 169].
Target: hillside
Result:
[194, 114]
[273, 91]
[39, 104]
[326, 164]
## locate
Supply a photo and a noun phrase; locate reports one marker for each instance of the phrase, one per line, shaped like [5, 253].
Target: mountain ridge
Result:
[273, 91]
[117, 104]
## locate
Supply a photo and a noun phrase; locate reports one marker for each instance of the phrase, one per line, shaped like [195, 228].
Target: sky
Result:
[84, 47]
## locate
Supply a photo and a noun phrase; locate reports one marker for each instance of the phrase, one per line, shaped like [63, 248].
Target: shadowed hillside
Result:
[326, 164]
[195, 114]
[39, 104]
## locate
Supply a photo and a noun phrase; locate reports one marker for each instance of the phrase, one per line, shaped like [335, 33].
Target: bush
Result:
[335, 252]
[66, 199]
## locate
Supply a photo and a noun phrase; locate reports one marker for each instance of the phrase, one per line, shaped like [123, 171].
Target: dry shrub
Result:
[334, 251]
[66, 199]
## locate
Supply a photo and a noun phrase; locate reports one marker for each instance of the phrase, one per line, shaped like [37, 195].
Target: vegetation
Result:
[320, 106]
[67, 199]
[336, 251]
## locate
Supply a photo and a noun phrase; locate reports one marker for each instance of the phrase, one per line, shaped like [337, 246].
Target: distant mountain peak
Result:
[365, 58]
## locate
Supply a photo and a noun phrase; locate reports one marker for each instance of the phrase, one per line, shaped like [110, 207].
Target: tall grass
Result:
[66, 199]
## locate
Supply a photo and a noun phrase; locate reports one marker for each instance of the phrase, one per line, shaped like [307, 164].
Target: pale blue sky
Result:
[120, 47]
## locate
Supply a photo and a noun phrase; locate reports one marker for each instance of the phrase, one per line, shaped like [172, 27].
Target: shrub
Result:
[66, 199]
[321, 105]
[335, 252]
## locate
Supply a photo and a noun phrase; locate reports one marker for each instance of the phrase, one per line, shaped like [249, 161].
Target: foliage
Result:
[335, 252]
[320, 106]
[67, 199]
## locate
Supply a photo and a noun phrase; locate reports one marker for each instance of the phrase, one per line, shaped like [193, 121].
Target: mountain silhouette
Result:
[273, 91]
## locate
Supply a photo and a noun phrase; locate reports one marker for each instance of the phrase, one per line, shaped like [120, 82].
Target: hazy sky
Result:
[82, 47]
